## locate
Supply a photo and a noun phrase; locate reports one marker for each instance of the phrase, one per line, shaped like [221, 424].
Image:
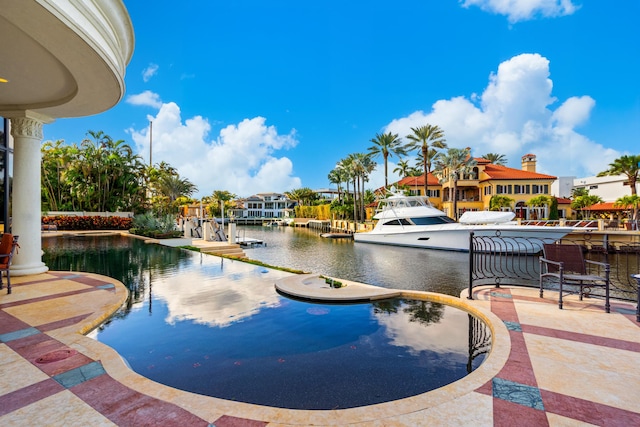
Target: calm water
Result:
[386, 266]
[217, 327]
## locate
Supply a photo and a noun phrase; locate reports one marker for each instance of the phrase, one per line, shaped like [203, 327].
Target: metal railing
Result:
[495, 260]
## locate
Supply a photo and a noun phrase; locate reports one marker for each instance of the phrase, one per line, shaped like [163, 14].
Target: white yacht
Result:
[413, 221]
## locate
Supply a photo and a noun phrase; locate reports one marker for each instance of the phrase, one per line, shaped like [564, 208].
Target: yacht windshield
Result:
[432, 220]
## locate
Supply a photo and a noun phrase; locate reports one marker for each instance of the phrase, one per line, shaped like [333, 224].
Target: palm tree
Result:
[221, 197]
[361, 166]
[335, 177]
[540, 201]
[386, 144]
[498, 202]
[450, 166]
[420, 140]
[304, 196]
[632, 202]
[495, 158]
[585, 201]
[625, 165]
[579, 191]
[404, 169]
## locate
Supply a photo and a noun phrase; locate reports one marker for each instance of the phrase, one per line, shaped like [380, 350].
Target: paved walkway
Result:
[577, 366]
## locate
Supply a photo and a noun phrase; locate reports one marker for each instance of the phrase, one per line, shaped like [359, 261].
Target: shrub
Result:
[149, 225]
[63, 222]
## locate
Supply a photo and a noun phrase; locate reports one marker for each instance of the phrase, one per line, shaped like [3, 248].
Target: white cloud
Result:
[524, 10]
[515, 115]
[149, 72]
[241, 159]
[146, 98]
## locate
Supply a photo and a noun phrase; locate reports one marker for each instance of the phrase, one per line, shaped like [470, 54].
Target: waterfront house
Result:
[475, 189]
[264, 205]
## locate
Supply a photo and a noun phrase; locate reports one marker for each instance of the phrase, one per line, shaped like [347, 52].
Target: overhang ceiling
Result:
[63, 58]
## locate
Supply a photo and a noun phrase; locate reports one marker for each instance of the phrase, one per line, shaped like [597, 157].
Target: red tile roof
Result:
[418, 181]
[503, 172]
[605, 207]
[563, 201]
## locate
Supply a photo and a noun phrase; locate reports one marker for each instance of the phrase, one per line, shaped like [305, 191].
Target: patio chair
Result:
[566, 265]
[8, 245]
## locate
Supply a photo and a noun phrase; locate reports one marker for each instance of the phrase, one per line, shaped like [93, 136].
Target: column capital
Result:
[26, 127]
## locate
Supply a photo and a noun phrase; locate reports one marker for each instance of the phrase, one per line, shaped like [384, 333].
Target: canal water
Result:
[386, 266]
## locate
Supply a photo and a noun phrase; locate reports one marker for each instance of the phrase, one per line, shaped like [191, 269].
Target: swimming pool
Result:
[218, 327]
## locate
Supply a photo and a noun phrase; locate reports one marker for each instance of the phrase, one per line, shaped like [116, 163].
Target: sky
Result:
[254, 97]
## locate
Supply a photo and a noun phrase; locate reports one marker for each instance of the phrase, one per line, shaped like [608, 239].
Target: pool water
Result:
[218, 327]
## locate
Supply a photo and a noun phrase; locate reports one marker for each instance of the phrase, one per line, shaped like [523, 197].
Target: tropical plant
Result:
[404, 169]
[219, 199]
[420, 139]
[335, 177]
[498, 202]
[150, 225]
[361, 166]
[579, 191]
[167, 189]
[98, 175]
[449, 167]
[629, 202]
[584, 202]
[495, 158]
[625, 165]
[304, 196]
[386, 144]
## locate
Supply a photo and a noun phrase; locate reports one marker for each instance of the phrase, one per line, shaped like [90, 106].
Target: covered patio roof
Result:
[63, 58]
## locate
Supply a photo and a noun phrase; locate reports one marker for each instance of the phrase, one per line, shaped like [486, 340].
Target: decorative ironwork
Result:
[497, 260]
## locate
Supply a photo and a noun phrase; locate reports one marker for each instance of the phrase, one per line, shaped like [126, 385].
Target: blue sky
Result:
[255, 96]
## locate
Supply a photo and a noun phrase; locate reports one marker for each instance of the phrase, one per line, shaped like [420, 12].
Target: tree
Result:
[629, 202]
[304, 196]
[625, 165]
[335, 177]
[579, 191]
[386, 144]
[584, 202]
[539, 201]
[450, 166]
[498, 202]
[495, 158]
[165, 188]
[420, 139]
[403, 169]
[221, 198]
[98, 175]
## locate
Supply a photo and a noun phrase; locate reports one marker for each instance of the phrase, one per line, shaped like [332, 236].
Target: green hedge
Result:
[88, 222]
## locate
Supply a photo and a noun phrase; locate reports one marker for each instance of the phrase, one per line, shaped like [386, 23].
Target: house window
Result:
[503, 189]
[487, 190]
[521, 189]
[433, 193]
[539, 189]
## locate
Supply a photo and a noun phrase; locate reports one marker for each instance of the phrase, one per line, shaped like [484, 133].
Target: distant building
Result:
[609, 188]
[264, 205]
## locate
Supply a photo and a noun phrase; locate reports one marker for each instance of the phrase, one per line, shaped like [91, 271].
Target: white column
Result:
[26, 206]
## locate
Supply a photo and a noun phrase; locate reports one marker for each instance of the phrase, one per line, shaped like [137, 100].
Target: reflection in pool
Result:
[219, 328]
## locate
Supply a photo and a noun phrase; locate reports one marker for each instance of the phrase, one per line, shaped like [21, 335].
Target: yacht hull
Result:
[456, 237]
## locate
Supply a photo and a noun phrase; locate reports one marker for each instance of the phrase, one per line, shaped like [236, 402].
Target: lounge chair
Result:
[566, 265]
[8, 245]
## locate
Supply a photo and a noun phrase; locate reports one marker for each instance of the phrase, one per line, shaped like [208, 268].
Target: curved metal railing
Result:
[496, 260]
